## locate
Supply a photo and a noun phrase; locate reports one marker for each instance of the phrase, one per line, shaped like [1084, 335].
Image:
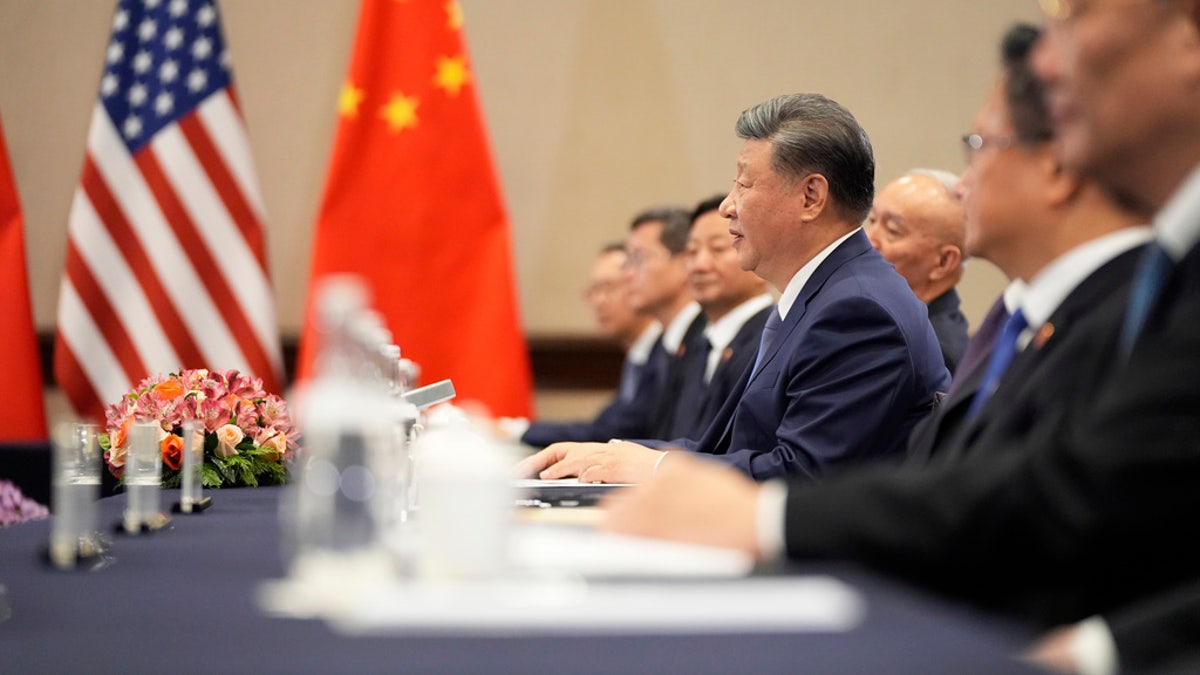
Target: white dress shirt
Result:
[722, 331]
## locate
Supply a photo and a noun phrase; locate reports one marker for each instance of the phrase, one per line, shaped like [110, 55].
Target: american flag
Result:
[165, 259]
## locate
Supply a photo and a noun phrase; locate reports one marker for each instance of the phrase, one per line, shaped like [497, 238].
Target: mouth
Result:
[736, 237]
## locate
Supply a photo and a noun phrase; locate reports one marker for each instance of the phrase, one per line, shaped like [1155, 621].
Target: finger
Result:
[533, 464]
[564, 468]
[595, 473]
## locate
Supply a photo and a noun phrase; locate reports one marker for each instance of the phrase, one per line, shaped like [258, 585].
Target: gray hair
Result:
[945, 178]
[810, 133]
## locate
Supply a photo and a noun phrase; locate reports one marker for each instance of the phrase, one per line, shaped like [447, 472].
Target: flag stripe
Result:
[140, 265]
[107, 270]
[93, 299]
[227, 131]
[241, 269]
[246, 347]
[98, 374]
[222, 180]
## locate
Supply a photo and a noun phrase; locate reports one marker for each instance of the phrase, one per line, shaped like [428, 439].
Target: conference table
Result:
[184, 600]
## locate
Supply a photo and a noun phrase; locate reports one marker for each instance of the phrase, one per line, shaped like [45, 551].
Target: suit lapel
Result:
[856, 245]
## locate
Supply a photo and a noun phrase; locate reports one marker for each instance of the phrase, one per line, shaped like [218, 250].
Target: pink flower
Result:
[228, 437]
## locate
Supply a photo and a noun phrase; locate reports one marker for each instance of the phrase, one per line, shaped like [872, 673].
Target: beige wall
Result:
[596, 108]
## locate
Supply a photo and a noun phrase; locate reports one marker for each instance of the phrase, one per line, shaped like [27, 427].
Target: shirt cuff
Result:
[772, 499]
[512, 428]
[1093, 648]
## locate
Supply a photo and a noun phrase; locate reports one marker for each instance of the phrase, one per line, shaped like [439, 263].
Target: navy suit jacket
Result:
[699, 402]
[639, 417]
[853, 366]
[950, 327]
[1082, 519]
[1053, 369]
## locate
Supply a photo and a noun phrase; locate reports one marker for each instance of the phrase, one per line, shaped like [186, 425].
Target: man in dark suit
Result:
[1073, 247]
[735, 303]
[1091, 516]
[916, 222]
[656, 283]
[849, 361]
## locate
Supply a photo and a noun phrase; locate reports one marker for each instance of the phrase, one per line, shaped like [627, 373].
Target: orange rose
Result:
[170, 389]
[275, 445]
[172, 451]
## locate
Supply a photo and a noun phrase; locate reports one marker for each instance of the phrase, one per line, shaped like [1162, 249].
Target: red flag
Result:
[22, 414]
[165, 261]
[412, 204]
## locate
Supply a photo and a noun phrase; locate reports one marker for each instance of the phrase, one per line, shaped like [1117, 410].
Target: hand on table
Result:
[690, 499]
[617, 462]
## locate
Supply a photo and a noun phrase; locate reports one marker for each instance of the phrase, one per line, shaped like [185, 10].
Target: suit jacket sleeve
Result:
[1078, 521]
[849, 388]
[1161, 634]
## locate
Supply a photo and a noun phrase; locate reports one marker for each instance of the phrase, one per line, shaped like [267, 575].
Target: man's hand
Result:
[690, 499]
[620, 462]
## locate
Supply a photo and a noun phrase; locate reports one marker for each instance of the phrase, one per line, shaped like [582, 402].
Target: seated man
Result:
[735, 304]
[848, 362]
[1086, 518]
[917, 224]
[655, 287]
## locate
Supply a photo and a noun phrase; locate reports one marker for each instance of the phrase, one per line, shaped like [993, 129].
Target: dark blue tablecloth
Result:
[182, 601]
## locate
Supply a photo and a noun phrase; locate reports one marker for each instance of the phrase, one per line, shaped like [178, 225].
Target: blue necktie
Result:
[1002, 355]
[1156, 263]
[768, 338]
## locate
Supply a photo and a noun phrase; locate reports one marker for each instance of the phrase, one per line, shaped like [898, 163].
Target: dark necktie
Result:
[631, 373]
[980, 346]
[1156, 263]
[768, 337]
[704, 348]
[1002, 354]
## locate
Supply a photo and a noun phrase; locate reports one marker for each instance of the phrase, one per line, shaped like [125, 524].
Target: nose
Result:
[727, 209]
[1046, 59]
[961, 188]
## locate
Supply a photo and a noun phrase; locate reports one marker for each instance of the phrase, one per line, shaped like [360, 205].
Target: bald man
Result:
[917, 224]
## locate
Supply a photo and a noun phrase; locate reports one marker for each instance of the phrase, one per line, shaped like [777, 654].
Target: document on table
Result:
[550, 607]
[564, 491]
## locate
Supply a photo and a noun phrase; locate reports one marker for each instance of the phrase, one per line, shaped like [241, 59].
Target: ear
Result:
[949, 259]
[813, 191]
[1062, 184]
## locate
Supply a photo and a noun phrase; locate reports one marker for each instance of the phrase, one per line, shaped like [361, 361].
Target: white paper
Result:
[515, 608]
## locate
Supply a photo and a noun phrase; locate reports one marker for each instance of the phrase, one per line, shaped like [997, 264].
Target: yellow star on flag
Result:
[349, 100]
[454, 15]
[452, 74]
[400, 112]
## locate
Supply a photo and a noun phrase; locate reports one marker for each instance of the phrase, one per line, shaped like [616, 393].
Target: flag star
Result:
[173, 38]
[224, 59]
[178, 8]
[206, 15]
[452, 74]
[197, 79]
[400, 113]
[132, 126]
[168, 71]
[137, 94]
[147, 29]
[116, 52]
[454, 15]
[163, 103]
[150, 4]
[349, 100]
[108, 85]
[201, 49]
[120, 21]
[142, 62]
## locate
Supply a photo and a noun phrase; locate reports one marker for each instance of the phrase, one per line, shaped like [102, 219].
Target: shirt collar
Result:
[639, 351]
[1177, 225]
[789, 295]
[1062, 276]
[674, 332]
[722, 331]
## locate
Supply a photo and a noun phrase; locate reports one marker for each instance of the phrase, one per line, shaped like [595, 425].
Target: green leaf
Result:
[209, 476]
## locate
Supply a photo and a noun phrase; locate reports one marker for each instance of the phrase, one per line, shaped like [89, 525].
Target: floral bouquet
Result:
[248, 435]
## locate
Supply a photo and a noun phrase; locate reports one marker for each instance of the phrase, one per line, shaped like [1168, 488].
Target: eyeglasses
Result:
[973, 143]
[637, 259]
[1061, 10]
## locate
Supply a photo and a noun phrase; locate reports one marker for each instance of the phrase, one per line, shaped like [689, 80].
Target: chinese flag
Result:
[413, 206]
[22, 415]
